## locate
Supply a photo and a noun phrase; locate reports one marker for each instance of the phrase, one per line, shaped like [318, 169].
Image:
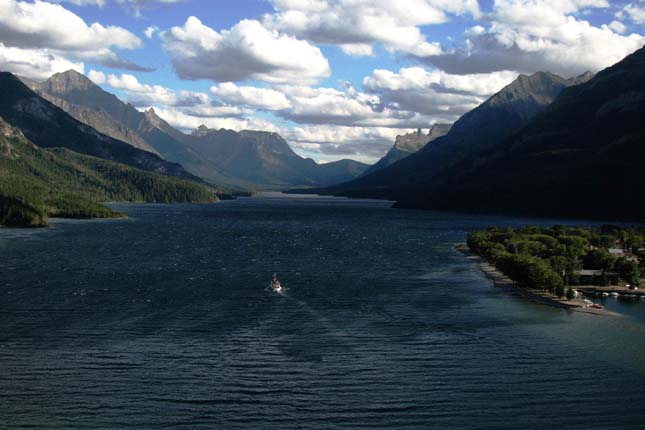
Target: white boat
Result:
[275, 284]
[605, 294]
[613, 294]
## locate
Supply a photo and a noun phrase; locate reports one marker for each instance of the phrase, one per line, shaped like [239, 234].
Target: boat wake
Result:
[276, 286]
[282, 291]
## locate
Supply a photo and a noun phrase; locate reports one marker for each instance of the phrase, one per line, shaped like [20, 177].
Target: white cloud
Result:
[38, 64]
[148, 2]
[246, 51]
[413, 97]
[419, 79]
[137, 5]
[618, 27]
[145, 95]
[99, 3]
[263, 98]
[440, 95]
[360, 143]
[150, 31]
[356, 26]
[532, 35]
[42, 25]
[636, 13]
[97, 77]
[331, 106]
[186, 121]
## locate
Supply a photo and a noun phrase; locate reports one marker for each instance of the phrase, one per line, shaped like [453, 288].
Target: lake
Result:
[165, 320]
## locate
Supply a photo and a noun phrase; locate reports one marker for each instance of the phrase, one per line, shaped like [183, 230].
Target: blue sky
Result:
[337, 78]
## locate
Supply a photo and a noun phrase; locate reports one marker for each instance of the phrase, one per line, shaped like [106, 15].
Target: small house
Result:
[595, 277]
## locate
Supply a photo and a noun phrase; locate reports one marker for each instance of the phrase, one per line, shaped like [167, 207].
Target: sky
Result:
[336, 78]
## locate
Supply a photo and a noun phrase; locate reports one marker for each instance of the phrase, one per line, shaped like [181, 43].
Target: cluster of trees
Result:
[38, 183]
[550, 258]
[15, 213]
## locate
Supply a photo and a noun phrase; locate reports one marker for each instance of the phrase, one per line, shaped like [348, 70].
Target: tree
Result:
[628, 270]
[570, 294]
[559, 290]
[599, 259]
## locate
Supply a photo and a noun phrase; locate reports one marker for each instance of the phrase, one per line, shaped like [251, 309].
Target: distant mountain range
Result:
[244, 160]
[407, 144]
[482, 128]
[263, 160]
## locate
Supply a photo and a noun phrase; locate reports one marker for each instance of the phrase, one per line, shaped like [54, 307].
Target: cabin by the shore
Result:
[596, 277]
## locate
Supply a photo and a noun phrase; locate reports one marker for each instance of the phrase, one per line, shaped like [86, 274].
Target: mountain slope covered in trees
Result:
[36, 183]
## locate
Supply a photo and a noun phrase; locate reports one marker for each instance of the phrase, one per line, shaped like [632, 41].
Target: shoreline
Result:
[503, 281]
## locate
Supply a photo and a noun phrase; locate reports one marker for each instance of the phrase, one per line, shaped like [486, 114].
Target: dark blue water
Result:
[164, 321]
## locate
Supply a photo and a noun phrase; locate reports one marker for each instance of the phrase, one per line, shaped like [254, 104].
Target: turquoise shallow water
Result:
[163, 320]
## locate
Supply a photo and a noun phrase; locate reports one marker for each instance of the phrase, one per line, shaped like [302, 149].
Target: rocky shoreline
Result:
[503, 281]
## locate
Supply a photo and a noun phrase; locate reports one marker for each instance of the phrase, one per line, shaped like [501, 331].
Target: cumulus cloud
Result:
[247, 51]
[135, 4]
[187, 121]
[150, 31]
[146, 95]
[356, 26]
[532, 35]
[38, 64]
[413, 97]
[618, 26]
[56, 30]
[361, 143]
[138, 5]
[263, 98]
[97, 77]
[636, 12]
[345, 108]
[99, 3]
[435, 93]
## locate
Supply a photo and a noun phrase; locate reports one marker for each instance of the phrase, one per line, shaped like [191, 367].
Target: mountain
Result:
[582, 156]
[483, 127]
[408, 144]
[89, 104]
[48, 126]
[264, 160]
[36, 183]
[247, 160]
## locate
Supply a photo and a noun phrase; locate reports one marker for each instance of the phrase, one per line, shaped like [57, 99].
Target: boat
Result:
[613, 294]
[275, 284]
[605, 294]
[596, 305]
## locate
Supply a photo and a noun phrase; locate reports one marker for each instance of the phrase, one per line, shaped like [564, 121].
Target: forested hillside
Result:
[38, 183]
